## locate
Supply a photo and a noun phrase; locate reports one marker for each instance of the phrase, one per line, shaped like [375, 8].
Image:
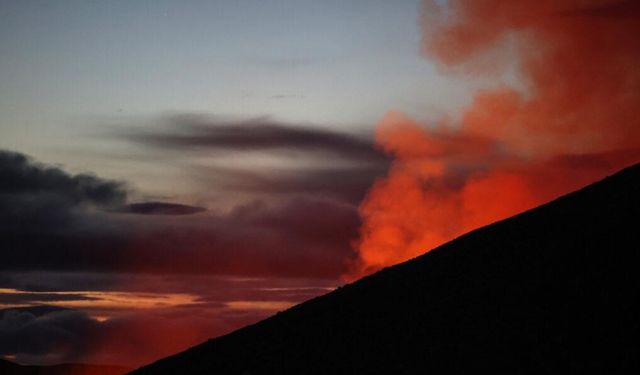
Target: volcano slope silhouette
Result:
[555, 290]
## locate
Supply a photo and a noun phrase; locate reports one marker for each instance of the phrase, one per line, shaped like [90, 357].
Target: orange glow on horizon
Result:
[106, 300]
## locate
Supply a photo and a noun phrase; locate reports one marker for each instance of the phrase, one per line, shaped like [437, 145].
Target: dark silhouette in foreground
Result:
[555, 290]
[10, 368]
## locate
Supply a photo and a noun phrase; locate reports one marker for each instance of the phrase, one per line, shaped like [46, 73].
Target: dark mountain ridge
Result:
[553, 290]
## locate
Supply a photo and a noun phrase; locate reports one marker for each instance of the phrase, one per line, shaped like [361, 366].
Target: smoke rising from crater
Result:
[573, 119]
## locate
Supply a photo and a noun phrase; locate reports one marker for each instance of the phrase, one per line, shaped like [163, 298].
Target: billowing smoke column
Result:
[574, 118]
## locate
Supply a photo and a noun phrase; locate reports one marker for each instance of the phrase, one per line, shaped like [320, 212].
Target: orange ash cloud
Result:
[575, 121]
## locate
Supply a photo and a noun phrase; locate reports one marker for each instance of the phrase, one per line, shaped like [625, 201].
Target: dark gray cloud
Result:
[346, 183]
[56, 281]
[53, 221]
[188, 132]
[46, 213]
[35, 298]
[161, 208]
[19, 175]
[39, 198]
[334, 164]
[42, 337]
[36, 198]
[323, 163]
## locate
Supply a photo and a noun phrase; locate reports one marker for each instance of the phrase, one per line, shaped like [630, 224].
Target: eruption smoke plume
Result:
[576, 119]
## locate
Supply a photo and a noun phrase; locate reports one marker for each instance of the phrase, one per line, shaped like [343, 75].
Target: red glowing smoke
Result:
[575, 119]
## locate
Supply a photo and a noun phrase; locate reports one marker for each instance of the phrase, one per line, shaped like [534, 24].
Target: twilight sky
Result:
[73, 71]
[114, 114]
[173, 170]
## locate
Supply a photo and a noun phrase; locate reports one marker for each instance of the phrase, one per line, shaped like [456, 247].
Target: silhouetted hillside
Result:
[555, 290]
[10, 368]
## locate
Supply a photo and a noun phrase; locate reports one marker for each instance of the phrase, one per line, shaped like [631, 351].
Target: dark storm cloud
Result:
[321, 162]
[161, 208]
[50, 223]
[46, 213]
[20, 298]
[50, 219]
[40, 203]
[347, 183]
[54, 221]
[54, 336]
[262, 134]
[56, 281]
[19, 175]
[35, 198]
